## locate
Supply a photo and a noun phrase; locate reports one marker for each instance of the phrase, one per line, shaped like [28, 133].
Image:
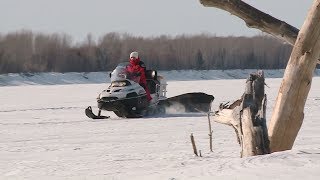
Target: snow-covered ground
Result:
[46, 135]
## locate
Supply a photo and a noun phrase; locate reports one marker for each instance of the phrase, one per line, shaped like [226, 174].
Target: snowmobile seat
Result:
[151, 74]
[152, 80]
[152, 86]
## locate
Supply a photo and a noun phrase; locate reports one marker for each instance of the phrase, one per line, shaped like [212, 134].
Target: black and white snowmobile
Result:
[126, 98]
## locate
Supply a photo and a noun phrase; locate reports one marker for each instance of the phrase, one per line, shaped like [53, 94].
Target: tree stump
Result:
[248, 117]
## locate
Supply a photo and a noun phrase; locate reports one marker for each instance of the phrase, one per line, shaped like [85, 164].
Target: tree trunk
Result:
[288, 113]
[248, 117]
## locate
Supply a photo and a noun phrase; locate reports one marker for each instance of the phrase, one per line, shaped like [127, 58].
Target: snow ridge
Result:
[13, 79]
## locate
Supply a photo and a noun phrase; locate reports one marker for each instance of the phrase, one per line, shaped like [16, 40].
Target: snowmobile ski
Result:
[91, 115]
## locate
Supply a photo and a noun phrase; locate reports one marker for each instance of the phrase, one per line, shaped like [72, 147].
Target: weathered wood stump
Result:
[248, 117]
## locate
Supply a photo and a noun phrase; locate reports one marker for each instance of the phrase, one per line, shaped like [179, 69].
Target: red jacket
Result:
[138, 67]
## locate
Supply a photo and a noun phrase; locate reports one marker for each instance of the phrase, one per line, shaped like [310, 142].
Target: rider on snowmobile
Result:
[138, 68]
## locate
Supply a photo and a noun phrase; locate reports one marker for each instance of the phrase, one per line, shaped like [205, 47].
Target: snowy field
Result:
[46, 135]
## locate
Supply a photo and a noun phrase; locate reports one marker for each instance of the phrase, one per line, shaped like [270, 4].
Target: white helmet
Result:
[134, 54]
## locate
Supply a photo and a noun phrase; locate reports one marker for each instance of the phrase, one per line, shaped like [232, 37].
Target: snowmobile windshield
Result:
[120, 73]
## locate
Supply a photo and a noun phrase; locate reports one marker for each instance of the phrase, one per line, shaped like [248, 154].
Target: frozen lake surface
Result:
[46, 135]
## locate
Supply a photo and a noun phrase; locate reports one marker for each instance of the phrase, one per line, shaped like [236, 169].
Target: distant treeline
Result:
[25, 51]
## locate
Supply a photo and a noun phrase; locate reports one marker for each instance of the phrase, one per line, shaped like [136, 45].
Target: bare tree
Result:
[288, 113]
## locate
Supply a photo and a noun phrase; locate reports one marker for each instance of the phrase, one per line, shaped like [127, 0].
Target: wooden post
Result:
[210, 132]
[193, 145]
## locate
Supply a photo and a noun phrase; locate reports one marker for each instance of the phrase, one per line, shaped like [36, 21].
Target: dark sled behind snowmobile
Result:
[191, 102]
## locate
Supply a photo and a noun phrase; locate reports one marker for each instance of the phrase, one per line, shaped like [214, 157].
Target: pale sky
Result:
[138, 17]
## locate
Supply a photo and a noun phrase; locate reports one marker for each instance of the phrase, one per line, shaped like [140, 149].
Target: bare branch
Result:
[255, 18]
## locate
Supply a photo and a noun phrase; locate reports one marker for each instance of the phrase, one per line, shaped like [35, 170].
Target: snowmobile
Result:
[126, 98]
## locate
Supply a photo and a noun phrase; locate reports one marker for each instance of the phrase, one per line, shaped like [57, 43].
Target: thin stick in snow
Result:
[210, 132]
[193, 145]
